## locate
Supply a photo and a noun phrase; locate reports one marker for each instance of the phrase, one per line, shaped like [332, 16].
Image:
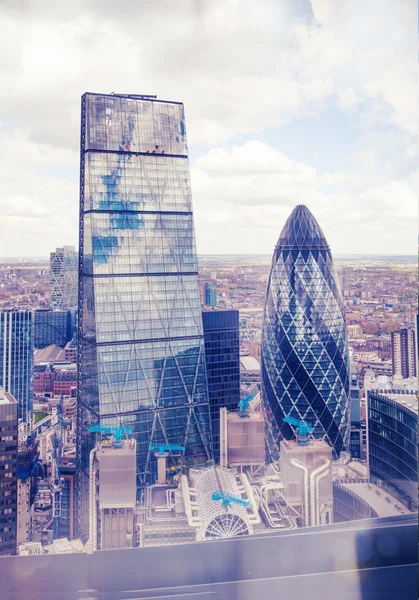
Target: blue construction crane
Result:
[302, 429]
[117, 432]
[162, 448]
[244, 405]
[227, 499]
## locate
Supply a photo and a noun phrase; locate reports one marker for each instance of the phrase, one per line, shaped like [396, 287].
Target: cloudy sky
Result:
[287, 102]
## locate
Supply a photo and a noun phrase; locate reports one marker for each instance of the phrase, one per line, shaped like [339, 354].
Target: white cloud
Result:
[347, 99]
[38, 201]
[239, 66]
[237, 69]
[247, 207]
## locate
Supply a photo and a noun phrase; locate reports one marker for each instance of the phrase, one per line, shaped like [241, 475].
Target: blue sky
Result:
[312, 140]
[286, 102]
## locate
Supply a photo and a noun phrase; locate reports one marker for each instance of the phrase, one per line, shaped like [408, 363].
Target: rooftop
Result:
[301, 230]
[313, 446]
[251, 416]
[380, 500]
[6, 397]
[48, 354]
[128, 447]
[250, 363]
[408, 401]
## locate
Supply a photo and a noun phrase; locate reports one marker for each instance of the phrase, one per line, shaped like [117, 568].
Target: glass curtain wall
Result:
[141, 349]
[304, 352]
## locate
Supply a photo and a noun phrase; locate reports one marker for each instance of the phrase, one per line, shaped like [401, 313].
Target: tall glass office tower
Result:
[63, 278]
[222, 358]
[304, 354]
[16, 359]
[141, 356]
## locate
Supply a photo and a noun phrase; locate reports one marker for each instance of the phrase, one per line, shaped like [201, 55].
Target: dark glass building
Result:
[66, 521]
[356, 446]
[392, 436]
[141, 359]
[16, 359]
[8, 472]
[304, 350]
[222, 356]
[52, 327]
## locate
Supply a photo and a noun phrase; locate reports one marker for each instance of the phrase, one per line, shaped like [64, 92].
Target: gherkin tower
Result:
[304, 355]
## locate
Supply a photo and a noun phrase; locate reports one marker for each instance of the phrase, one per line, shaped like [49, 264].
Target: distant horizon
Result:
[205, 255]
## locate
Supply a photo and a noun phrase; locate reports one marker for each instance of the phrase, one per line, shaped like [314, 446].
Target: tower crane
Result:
[116, 432]
[228, 499]
[302, 429]
[244, 405]
[162, 448]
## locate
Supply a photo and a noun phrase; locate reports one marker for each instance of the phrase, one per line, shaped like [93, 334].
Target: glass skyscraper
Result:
[304, 352]
[141, 359]
[16, 359]
[63, 278]
[222, 355]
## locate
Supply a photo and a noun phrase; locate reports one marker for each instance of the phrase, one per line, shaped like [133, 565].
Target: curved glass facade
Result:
[393, 444]
[304, 354]
[141, 357]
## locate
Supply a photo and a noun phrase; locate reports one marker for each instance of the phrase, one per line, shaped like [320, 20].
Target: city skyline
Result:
[208, 298]
[331, 128]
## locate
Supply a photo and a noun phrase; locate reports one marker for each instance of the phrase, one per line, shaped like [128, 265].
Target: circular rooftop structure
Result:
[219, 521]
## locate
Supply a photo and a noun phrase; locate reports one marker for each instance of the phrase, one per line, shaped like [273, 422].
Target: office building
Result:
[392, 438]
[210, 293]
[52, 327]
[8, 472]
[63, 278]
[141, 359]
[357, 499]
[65, 381]
[356, 445]
[66, 525]
[404, 352]
[304, 352]
[306, 473]
[356, 442]
[222, 357]
[242, 440]
[113, 495]
[16, 359]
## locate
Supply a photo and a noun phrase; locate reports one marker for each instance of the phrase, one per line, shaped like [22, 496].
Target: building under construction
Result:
[241, 496]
